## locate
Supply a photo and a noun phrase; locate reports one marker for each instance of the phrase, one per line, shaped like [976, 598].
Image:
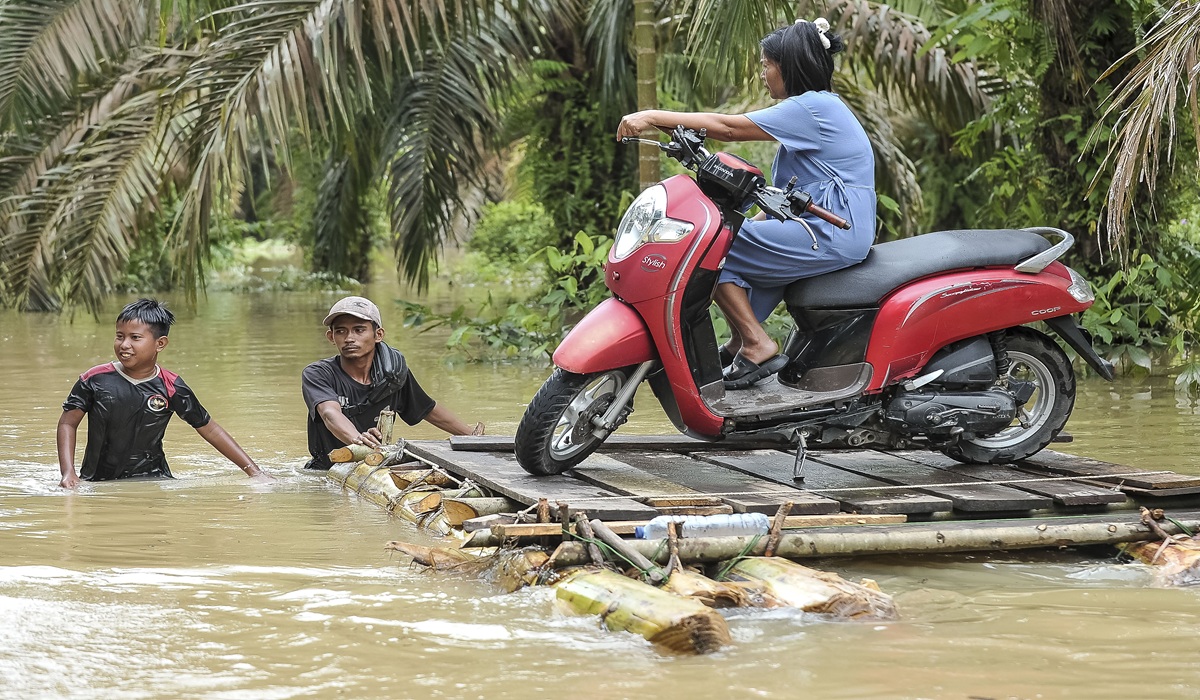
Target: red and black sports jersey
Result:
[127, 419]
[325, 380]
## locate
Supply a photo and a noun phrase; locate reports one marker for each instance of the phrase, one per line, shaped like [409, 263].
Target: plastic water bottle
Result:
[731, 525]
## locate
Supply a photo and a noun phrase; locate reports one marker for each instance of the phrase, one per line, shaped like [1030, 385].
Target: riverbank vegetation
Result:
[142, 144]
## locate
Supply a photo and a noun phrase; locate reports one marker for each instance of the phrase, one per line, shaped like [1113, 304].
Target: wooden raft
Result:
[638, 477]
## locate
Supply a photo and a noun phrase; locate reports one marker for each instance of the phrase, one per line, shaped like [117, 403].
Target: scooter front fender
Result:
[611, 335]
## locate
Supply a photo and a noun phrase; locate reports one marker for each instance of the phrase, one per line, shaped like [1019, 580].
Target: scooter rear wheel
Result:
[1035, 358]
[557, 432]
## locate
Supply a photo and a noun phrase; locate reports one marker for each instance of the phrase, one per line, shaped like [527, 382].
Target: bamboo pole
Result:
[430, 500]
[404, 478]
[462, 508]
[710, 593]
[386, 423]
[916, 538]
[619, 545]
[680, 625]
[349, 453]
[785, 583]
[376, 485]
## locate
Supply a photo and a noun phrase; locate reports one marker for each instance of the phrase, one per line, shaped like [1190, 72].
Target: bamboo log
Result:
[430, 500]
[517, 568]
[349, 453]
[403, 478]
[710, 593]
[390, 454]
[791, 522]
[786, 583]
[933, 537]
[1176, 562]
[462, 508]
[511, 569]
[376, 485]
[680, 625]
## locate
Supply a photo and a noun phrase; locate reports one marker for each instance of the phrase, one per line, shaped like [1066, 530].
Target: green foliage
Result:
[1149, 309]
[571, 165]
[530, 328]
[510, 232]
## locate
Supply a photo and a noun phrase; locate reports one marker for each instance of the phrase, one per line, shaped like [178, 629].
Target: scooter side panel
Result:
[917, 320]
[611, 335]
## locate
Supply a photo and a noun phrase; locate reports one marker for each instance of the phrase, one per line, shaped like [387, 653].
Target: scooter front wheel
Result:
[557, 431]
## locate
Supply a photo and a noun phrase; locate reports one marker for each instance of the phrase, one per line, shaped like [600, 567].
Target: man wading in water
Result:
[346, 393]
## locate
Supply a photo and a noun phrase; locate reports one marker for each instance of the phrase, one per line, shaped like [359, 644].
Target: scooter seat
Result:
[889, 265]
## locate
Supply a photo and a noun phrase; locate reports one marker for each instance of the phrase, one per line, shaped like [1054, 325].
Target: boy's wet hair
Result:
[151, 312]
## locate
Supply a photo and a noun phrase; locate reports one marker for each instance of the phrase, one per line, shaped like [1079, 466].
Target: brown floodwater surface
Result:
[213, 586]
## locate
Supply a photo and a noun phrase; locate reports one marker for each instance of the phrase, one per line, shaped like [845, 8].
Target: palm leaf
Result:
[892, 48]
[48, 44]
[438, 135]
[1145, 101]
[79, 223]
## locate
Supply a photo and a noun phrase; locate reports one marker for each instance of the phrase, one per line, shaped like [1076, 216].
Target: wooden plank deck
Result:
[977, 497]
[634, 474]
[501, 473]
[855, 493]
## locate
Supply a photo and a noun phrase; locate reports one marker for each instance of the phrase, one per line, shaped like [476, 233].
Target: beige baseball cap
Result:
[360, 307]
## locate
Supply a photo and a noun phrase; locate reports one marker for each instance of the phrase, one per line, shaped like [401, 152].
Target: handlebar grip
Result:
[829, 216]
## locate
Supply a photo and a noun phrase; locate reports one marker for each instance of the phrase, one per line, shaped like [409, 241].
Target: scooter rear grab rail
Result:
[1039, 262]
[687, 147]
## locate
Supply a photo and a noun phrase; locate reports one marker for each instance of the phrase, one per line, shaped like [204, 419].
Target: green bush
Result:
[510, 232]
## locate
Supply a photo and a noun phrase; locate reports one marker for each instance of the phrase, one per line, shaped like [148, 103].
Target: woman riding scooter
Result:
[825, 151]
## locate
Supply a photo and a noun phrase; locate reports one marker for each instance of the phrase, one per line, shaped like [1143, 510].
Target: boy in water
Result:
[130, 402]
[346, 392]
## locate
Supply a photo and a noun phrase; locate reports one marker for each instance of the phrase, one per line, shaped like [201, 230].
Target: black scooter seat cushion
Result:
[890, 265]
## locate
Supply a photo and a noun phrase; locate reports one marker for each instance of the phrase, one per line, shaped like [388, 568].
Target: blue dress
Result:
[822, 144]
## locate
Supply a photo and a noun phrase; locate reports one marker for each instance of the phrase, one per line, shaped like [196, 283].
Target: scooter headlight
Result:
[646, 221]
[1079, 288]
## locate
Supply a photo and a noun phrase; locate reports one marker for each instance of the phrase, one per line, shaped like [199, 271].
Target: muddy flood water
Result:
[212, 586]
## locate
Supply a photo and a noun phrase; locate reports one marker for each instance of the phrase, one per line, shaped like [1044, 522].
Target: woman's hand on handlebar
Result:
[632, 125]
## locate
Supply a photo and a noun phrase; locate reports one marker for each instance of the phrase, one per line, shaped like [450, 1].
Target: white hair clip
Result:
[822, 26]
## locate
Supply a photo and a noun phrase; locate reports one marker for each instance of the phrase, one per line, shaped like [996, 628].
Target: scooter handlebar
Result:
[829, 216]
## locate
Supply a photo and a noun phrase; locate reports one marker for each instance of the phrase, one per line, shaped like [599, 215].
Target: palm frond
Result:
[896, 174]
[49, 43]
[888, 45]
[341, 221]
[607, 32]
[438, 134]
[1145, 101]
[70, 238]
[728, 31]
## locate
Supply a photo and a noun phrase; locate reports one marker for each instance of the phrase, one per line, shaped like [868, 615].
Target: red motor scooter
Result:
[923, 343]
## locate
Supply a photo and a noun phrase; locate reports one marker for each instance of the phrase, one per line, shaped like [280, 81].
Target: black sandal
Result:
[745, 373]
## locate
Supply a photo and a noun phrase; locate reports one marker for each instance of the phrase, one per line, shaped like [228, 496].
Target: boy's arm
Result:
[216, 436]
[68, 425]
[445, 419]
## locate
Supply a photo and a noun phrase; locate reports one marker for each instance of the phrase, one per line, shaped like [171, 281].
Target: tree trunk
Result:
[649, 169]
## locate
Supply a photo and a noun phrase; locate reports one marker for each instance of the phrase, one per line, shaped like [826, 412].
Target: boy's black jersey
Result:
[127, 419]
[325, 380]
